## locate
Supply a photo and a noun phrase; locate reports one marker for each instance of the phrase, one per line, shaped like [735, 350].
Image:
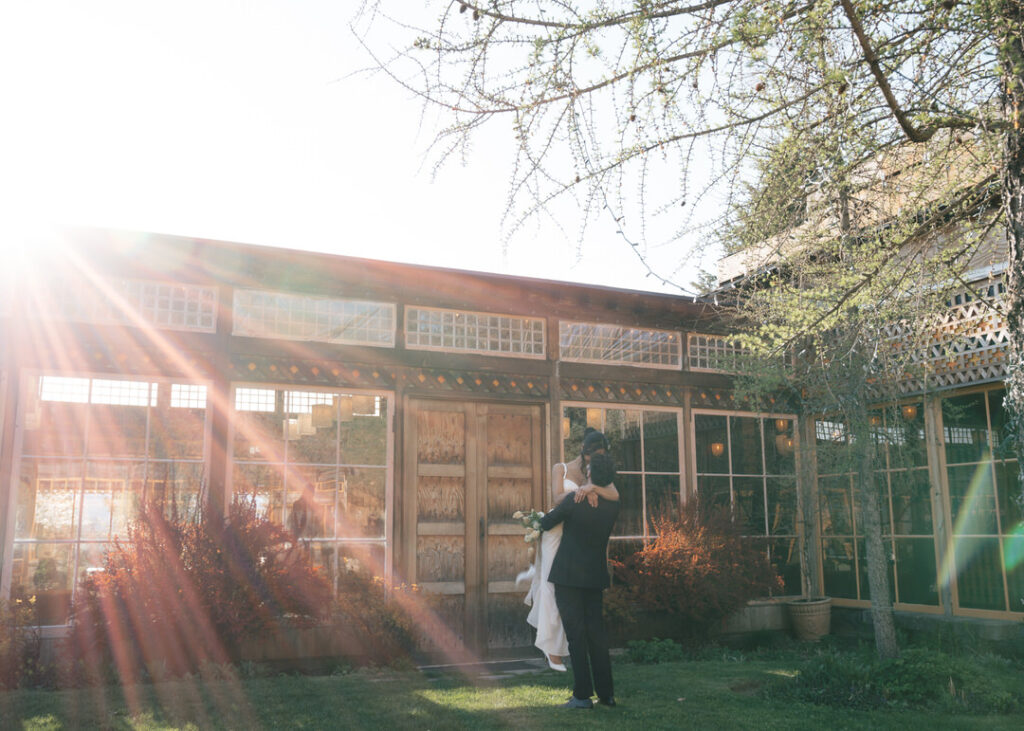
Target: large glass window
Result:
[747, 464]
[316, 461]
[92, 449]
[987, 558]
[645, 446]
[904, 492]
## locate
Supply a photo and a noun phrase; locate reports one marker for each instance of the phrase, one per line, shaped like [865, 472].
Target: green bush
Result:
[919, 679]
[178, 595]
[654, 651]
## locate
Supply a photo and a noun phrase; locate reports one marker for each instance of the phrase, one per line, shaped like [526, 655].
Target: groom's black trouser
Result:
[581, 611]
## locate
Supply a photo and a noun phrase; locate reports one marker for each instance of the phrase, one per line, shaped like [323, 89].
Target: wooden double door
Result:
[468, 467]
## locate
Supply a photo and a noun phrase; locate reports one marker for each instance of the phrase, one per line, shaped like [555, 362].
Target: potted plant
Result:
[53, 597]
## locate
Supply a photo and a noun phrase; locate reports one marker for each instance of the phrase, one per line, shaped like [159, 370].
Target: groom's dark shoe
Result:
[575, 702]
[609, 701]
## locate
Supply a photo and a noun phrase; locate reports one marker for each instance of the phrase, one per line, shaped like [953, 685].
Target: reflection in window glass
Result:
[92, 450]
[747, 464]
[644, 443]
[315, 461]
[981, 471]
[904, 496]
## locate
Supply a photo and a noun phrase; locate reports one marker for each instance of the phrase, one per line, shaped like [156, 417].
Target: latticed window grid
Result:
[968, 344]
[714, 353]
[255, 399]
[597, 343]
[428, 328]
[134, 302]
[265, 314]
[188, 396]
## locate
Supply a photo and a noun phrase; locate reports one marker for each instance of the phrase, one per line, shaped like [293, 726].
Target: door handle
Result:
[482, 529]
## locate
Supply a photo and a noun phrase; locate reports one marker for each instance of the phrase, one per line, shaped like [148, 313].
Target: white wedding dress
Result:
[544, 614]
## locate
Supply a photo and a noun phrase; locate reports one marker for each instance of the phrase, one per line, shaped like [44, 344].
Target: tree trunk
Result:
[1011, 36]
[877, 555]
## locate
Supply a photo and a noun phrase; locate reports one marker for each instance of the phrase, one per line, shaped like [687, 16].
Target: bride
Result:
[566, 479]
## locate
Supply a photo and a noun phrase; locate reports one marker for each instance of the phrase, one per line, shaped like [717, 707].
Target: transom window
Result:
[134, 302]
[259, 313]
[596, 343]
[428, 328]
[713, 353]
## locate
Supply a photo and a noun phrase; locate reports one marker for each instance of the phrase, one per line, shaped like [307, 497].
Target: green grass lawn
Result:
[708, 694]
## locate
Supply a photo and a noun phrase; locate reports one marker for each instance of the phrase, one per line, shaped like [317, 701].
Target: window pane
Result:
[259, 436]
[779, 446]
[177, 433]
[49, 499]
[838, 568]
[1007, 486]
[58, 431]
[117, 431]
[972, 499]
[979, 573]
[1002, 438]
[712, 443]
[745, 433]
[785, 557]
[361, 503]
[176, 486]
[965, 428]
[862, 555]
[912, 502]
[44, 570]
[713, 493]
[262, 485]
[836, 505]
[781, 506]
[748, 504]
[622, 427]
[1013, 553]
[905, 426]
[364, 439]
[630, 520]
[662, 496]
[661, 441]
[917, 579]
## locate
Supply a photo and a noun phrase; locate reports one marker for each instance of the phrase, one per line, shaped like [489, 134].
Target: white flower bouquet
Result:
[531, 523]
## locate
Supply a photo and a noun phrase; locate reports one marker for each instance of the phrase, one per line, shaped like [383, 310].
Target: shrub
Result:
[698, 570]
[177, 595]
[920, 678]
[20, 661]
[654, 651]
[381, 616]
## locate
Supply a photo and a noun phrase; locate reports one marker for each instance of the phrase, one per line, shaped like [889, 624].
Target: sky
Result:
[252, 122]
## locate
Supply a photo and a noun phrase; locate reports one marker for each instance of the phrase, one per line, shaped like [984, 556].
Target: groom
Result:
[579, 572]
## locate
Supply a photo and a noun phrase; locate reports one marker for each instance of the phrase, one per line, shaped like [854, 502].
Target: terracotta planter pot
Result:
[811, 618]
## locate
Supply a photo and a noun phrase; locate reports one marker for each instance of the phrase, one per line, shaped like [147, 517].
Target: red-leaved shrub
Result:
[698, 570]
[178, 593]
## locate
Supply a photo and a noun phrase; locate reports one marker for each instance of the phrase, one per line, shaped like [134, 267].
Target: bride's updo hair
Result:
[593, 441]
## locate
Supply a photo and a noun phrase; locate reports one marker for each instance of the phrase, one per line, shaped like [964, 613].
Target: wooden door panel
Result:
[470, 466]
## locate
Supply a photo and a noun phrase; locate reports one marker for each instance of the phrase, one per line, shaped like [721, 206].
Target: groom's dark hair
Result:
[602, 469]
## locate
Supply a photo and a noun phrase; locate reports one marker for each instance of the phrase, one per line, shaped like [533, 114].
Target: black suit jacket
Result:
[581, 559]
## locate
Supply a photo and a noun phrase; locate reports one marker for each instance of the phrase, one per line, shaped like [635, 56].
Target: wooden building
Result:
[397, 416]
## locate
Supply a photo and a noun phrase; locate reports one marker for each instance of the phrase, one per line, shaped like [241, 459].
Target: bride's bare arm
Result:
[558, 491]
[608, 492]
